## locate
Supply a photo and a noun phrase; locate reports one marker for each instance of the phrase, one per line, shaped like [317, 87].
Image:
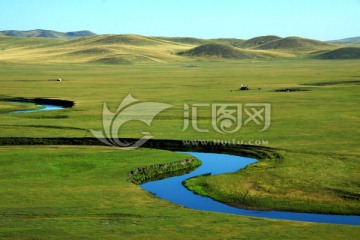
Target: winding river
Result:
[44, 107]
[43, 104]
[171, 189]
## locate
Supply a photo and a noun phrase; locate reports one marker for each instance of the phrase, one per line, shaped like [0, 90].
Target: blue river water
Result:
[171, 189]
[44, 107]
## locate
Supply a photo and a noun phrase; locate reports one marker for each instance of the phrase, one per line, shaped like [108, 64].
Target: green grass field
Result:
[83, 192]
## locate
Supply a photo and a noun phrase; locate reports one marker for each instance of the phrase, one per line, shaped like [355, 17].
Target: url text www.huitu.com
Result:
[218, 142]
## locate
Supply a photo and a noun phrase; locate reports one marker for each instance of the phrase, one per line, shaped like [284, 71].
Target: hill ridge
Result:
[46, 33]
[340, 53]
[257, 41]
[224, 51]
[296, 44]
[345, 40]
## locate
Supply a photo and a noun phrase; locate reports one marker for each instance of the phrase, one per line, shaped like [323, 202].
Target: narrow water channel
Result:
[171, 189]
[44, 107]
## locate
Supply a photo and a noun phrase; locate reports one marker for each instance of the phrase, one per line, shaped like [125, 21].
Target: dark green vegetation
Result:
[56, 102]
[333, 83]
[111, 60]
[84, 192]
[291, 90]
[46, 34]
[90, 51]
[160, 171]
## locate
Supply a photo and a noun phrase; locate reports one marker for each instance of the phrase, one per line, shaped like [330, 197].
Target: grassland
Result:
[84, 192]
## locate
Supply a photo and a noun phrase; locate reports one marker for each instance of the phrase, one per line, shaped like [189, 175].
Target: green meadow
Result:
[56, 192]
[59, 192]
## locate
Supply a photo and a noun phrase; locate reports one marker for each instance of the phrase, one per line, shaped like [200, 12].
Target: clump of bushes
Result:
[158, 171]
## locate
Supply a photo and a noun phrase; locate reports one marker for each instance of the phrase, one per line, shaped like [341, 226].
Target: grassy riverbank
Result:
[160, 171]
[277, 185]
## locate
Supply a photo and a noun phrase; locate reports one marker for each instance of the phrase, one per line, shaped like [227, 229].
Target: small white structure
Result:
[59, 79]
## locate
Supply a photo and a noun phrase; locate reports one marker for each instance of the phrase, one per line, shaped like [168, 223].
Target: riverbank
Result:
[32, 105]
[173, 190]
[159, 171]
[266, 185]
[258, 152]
[40, 101]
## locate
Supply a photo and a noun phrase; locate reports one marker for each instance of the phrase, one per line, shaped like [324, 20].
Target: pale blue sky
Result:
[318, 19]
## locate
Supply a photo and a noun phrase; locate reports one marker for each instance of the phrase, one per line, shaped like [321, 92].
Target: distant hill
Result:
[257, 41]
[9, 43]
[201, 41]
[99, 49]
[44, 46]
[127, 39]
[90, 51]
[111, 60]
[346, 40]
[296, 44]
[222, 51]
[46, 34]
[341, 53]
[186, 40]
[228, 41]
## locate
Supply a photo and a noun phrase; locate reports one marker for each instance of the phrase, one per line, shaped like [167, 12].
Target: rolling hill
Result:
[224, 51]
[46, 34]
[341, 53]
[296, 44]
[346, 40]
[126, 39]
[201, 41]
[235, 42]
[99, 49]
[254, 42]
[133, 49]
[11, 43]
[186, 40]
